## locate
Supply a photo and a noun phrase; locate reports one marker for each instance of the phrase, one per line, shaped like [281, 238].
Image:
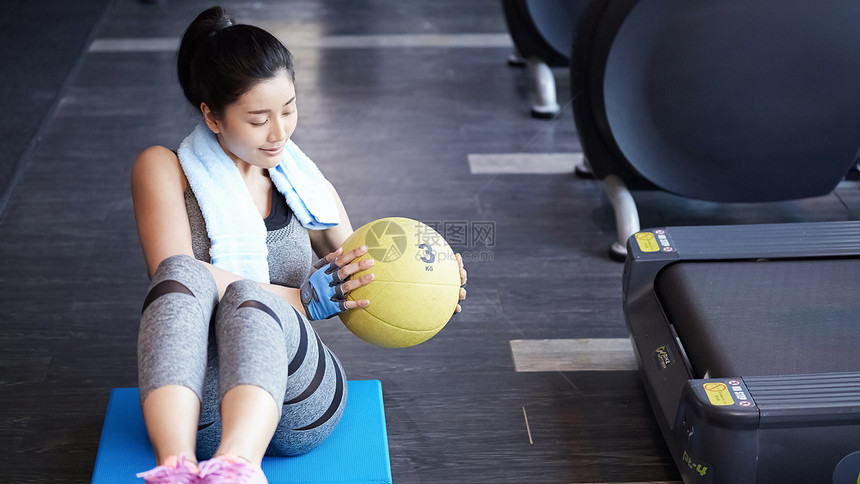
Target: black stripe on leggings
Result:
[303, 346]
[251, 303]
[338, 398]
[162, 288]
[318, 377]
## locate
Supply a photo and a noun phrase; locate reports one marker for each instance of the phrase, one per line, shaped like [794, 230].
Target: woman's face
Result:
[255, 128]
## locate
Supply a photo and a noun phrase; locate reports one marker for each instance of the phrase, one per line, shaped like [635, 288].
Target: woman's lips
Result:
[272, 151]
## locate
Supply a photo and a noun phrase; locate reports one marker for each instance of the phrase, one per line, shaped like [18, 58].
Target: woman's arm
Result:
[329, 240]
[157, 190]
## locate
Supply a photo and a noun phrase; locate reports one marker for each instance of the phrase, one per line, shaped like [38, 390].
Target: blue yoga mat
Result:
[356, 452]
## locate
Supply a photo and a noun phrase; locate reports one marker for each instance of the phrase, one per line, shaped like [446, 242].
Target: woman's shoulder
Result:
[158, 162]
[157, 155]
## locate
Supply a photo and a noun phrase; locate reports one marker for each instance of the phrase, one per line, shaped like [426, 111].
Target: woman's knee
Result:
[189, 271]
[242, 290]
[185, 275]
[179, 264]
[245, 293]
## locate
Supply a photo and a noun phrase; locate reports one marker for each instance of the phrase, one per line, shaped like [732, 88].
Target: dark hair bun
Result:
[220, 60]
[208, 23]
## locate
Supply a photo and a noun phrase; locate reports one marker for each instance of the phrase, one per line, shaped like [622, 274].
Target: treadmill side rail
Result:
[768, 241]
[662, 363]
[807, 400]
[785, 428]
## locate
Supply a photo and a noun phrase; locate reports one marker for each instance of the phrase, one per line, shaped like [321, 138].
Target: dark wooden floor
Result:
[392, 128]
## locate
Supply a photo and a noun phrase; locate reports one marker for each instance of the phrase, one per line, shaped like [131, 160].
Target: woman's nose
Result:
[278, 131]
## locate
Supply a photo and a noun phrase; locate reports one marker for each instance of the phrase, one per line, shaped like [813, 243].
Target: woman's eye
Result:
[259, 124]
[287, 113]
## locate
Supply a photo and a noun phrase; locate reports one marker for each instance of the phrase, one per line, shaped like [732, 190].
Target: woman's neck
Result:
[247, 170]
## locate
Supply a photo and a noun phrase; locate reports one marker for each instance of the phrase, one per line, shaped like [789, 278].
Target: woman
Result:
[228, 226]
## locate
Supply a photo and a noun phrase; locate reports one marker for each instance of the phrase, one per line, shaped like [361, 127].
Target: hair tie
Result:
[224, 23]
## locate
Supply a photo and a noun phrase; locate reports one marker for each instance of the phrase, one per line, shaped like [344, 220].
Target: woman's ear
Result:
[210, 118]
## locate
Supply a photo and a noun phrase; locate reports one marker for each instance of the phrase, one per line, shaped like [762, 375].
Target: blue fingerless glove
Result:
[322, 294]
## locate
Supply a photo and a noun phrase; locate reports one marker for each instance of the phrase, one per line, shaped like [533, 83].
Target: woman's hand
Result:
[324, 294]
[347, 268]
[463, 277]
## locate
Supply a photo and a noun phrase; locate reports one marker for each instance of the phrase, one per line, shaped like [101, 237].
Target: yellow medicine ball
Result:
[416, 285]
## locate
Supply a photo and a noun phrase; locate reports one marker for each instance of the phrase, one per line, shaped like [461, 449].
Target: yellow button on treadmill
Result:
[647, 242]
[719, 394]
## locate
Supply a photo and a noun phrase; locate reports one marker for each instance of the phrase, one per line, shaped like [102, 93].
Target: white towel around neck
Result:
[236, 230]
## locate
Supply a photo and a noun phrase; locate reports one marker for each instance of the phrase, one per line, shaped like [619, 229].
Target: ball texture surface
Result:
[416, 285]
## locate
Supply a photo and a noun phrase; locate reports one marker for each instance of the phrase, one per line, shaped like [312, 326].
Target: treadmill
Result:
[748, 343]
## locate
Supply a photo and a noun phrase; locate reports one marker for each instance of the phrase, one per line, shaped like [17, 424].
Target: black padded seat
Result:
[543, 28]
[729, 101]
[756, 318]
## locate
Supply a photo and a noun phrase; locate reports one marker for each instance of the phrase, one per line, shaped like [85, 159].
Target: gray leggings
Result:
[257, 339]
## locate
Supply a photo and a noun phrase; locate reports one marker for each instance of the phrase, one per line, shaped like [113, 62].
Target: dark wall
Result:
[40, 43]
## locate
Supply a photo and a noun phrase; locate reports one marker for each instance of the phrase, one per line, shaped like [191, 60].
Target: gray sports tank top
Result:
[290, 254]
